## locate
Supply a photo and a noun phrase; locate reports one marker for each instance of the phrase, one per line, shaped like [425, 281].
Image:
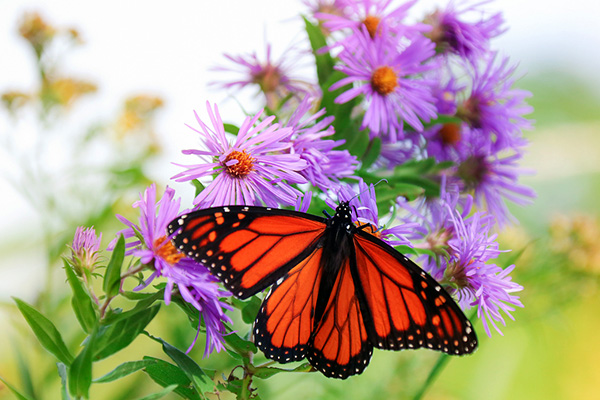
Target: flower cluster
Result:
[405, 94]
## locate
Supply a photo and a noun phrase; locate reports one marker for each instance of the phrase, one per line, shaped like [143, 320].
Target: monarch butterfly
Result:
[338, 291]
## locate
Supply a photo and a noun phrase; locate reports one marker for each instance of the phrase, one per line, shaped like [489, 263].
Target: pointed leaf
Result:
[18, 395]
[112, 278]
[45, 331]
[267, 372]
[81, 301]
[202, 382]
[119, 334]
[124, 369]
[323, 60]
[239, 345]
[166, 374]
[80, 371]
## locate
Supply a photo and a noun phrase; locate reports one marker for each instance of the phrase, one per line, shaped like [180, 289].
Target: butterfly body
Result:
[337, 291]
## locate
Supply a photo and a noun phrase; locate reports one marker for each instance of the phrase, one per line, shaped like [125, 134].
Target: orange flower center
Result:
[243, 166]
[450, 134]
[371, 23]
[167, 251]
[384, 80]
[369, 229]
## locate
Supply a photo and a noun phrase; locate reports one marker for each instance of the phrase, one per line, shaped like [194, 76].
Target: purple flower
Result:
[373, 15]
[448, 142]
[273, 78]
[325, 166]
[364, 203]
[457, 249]
[494, 107]
[385, 76]
[84, 250]
[153, 246]
[494, 178]
[478, 282]
[256, 168]
[453, 34]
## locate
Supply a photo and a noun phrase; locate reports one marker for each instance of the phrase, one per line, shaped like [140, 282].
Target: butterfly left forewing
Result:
[247, 248]
[407, 308]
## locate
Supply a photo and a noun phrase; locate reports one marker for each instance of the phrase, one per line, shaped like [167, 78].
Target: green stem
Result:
[437, 368]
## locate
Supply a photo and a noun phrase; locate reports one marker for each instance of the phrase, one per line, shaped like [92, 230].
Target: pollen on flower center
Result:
[167, 251]
[371, 23]
[239, 163]
[384, 80]
[450, 134]
[371, 229]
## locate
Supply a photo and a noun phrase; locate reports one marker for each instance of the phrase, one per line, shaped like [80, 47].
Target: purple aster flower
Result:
[256, 168]
[478, 282]
[195, 284]
[458, 248]
[448, 142]
[452, 33]
[494, 178]
[373, 15]
[84, 250]
[325, 166]
[494, 106]
[364, 203]
[385, 75]
[273, 78]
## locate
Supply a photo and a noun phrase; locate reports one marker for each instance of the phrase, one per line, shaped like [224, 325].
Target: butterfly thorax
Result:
[338, 236]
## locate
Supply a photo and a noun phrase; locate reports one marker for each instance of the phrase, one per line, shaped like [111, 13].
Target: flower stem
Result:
[435, 371]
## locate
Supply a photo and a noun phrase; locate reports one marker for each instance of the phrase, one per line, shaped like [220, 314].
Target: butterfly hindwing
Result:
[247, 248]
[340, 345]
[285, 321]
[408, 308]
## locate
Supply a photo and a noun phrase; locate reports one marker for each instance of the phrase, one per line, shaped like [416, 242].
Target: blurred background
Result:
[90, 123]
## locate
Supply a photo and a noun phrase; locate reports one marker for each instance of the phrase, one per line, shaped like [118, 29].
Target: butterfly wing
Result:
[340, 345]
[285, 321]
[406, 307]
[247, 248]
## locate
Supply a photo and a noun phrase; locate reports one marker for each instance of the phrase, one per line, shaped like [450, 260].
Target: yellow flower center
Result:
[371, 23]
[384, 80]
[167, 251]
[243, 166]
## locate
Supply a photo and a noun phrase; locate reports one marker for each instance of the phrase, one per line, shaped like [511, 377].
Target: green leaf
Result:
[63, 373]
[198, 186]
[230, 128]
[371, 153]
[357, 143]
[112, 278]
[267, 372]
[160, 394]
[249, 308]
[324, 61]
[45, 331]
[201, 381]
[80, 371]
[239, 345]
[81, 301]
[345, 127]
[24, 371]
[14, 390]
[120, 333]
[166, 374]
[124, 369]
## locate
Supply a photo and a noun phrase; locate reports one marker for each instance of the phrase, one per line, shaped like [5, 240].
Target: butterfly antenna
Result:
[368, 188]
